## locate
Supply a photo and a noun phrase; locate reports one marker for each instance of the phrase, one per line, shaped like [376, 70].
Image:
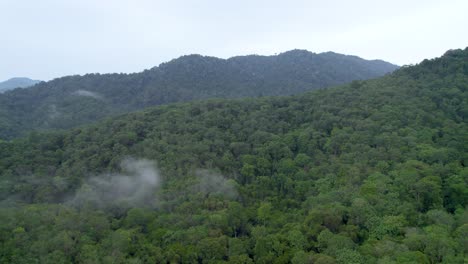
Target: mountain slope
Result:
[70, 101]
[16, 82]
[369, 172]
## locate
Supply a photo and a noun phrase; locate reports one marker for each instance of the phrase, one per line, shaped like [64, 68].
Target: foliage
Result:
[76, 100]
[369, 172]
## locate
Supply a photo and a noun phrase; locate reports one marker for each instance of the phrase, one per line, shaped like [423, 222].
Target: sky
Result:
[52, 38]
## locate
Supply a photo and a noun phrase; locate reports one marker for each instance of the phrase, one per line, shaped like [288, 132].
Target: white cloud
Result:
[88, 94]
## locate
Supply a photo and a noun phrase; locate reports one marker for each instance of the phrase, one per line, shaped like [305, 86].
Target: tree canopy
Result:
[368, 172]
[76, 100]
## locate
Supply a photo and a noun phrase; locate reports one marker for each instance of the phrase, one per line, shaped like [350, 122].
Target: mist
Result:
[88, 94]
[213, 183]
[53, 112]
[135, 187]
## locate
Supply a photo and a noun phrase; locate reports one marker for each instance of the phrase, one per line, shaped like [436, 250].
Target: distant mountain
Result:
[74, 100]
[16, 82]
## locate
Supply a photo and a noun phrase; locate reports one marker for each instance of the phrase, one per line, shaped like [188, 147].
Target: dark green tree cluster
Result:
[76, 100]
[368, 172]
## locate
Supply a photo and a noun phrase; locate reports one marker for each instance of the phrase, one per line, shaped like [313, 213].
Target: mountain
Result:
[17, 82]
[74, 100]
[368, 172]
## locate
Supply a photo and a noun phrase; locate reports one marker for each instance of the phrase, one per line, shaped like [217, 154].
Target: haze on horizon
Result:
[51, 38]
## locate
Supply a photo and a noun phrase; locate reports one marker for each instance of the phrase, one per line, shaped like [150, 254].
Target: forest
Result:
[372, 171]
[71, 101]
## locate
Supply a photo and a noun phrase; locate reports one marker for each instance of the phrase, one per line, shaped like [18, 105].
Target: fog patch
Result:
[213, 183]
[133, 188]
[53, 112]
[88, 94]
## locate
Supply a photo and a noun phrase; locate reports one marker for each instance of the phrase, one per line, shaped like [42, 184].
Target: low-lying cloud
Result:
[213, 183]
[133, 188]
[88, 94]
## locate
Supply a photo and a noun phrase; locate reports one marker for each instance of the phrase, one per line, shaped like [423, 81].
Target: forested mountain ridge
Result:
[17, 82]
[75, 100]
[369, 172]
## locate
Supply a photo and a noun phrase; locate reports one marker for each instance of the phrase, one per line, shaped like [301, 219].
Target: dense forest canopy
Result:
[75, 100]
[368, 172]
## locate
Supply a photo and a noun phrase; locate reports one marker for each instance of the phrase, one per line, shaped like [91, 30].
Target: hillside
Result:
[16, 82]
[75, 100]
[368, 172]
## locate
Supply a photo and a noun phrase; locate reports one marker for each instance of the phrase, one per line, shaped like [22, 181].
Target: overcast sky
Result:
[45, 39]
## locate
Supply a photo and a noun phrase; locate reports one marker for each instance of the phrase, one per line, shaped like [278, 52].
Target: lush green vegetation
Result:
[75, 100]
[369, 172]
